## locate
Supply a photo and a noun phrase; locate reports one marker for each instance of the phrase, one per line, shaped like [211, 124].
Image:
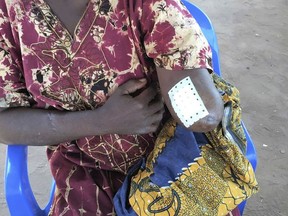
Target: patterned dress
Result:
[43, 66]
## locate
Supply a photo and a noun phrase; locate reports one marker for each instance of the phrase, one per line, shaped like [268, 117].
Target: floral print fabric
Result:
[43, 66]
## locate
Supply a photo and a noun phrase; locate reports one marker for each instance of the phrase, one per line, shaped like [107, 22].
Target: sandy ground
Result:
[252, 37]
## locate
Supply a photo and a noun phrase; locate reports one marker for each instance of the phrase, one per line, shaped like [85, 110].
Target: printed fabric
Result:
[43, 66]
[217, 179]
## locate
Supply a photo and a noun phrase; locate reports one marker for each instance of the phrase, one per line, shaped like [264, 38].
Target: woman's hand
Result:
[133, 109]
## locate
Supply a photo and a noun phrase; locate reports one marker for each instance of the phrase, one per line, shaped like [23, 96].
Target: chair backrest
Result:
[19, 196]
[208, 31]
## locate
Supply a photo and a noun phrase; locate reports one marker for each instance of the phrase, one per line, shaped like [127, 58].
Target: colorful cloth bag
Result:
[187, 174]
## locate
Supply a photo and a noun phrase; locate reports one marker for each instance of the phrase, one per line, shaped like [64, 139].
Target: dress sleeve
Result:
[172, 37]
[13, 92]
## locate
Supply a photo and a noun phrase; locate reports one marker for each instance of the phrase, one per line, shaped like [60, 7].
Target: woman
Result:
[81, 77]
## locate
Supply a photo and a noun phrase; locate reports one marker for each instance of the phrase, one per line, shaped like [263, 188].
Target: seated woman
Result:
[82, 78]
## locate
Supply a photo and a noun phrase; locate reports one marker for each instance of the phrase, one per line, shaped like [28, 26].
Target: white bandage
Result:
[186, 102]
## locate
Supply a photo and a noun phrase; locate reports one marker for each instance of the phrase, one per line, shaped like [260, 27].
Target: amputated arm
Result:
[204, 87]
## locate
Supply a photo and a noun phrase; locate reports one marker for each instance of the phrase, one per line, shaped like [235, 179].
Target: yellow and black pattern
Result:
[213, 184]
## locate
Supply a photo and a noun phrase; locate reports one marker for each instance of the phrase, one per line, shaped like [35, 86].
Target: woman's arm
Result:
[121, 114]
[44, 127]
[206, 90]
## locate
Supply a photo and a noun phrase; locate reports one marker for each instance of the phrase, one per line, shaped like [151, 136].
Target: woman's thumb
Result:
[132, 86]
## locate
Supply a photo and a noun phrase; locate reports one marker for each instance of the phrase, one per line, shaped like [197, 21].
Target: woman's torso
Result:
[80, 71]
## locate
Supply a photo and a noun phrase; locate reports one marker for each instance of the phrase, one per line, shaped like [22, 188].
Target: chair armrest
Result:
[251, 153]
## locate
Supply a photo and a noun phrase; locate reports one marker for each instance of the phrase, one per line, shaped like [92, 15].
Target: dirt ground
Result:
[252, 36]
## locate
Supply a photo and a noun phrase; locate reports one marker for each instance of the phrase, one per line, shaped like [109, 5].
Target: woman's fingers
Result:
[147, 95]
[132, 86]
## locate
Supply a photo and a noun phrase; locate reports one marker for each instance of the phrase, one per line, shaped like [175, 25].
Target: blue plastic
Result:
[19, 196]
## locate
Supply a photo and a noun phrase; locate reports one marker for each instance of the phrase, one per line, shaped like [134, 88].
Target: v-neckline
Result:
[72, 35]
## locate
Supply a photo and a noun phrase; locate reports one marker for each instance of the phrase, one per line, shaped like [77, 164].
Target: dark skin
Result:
[69, 12]
[205, 88]
[121, 114]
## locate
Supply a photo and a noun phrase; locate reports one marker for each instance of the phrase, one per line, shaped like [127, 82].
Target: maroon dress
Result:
[43, 66]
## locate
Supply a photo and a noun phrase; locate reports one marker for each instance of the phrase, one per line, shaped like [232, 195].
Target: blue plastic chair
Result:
[19, 196]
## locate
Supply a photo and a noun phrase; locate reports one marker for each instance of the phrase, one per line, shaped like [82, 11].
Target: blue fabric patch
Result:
[121, 199]
[179, 151]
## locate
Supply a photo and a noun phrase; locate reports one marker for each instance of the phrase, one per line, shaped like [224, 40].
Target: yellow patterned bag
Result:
[214, 183]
